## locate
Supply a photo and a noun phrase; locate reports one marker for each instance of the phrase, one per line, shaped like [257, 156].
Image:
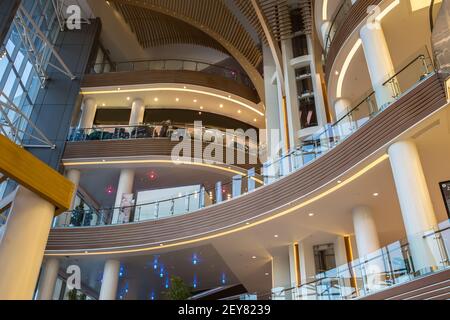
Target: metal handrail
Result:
[236, 75]
[333, 23]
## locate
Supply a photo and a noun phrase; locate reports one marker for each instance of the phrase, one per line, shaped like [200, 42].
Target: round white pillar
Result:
[378, 61]
[365, 231]
[110, 280]
[88, 112]
[23, 244]
[137, 112]
[74, 176]
[125, 186]
[415, 201]
[48, 282]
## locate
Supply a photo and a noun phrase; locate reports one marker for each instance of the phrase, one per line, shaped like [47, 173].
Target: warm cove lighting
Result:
[238, 226]
[87, 93]
[325, 10]
[388, 9]
[128, 162]
[421, 4]
[345, 66]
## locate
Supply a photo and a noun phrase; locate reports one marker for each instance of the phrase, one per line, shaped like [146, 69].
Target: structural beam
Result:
[28, 171]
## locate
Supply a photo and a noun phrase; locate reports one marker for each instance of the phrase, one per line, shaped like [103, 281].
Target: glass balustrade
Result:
[391, 265]
[309, 149]
[153, 131]
[173, 65]
[339, 18]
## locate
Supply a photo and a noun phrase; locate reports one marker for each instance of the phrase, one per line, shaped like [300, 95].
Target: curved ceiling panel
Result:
[154, 29]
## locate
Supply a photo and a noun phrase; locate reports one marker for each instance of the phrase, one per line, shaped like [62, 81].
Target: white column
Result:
[125, 186]
[378, 61]
[110, 280]
[23, 244]
[137, 112]
[365, 231]
[281, 275]
[415, 201]
[48, 282]
[88, 112]
[74, 176]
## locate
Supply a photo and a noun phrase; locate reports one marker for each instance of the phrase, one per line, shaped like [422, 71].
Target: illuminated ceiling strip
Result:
[388, 9]
[174, 89]
[240, 228]
[201, 164]
[325, 10]
[345, 66]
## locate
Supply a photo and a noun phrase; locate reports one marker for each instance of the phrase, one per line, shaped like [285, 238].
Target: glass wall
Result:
[19, 80]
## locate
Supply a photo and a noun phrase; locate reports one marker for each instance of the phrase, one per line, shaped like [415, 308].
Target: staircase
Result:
[431, 287]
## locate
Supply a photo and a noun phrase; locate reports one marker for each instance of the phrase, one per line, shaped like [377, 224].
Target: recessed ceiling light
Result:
[276, 236]
[267, 274]
[239, 111]
[201, 107]
[200, 113]
[254, 257]
[311, 214]
[376, 194]
[118, 89]
[104, 104]
[339, 181]
[221, 106]
[336, 72]
[255, 120]
[184, 87]
[195, 100]
[156, 99]
[177, 99]
[128, 98]
[248, 223]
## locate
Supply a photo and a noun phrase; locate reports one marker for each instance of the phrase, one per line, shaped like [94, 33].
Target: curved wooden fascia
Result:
[249, 67]
[263, 204]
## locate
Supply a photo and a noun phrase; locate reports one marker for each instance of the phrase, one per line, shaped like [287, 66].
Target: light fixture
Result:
[336, 72]
[267, 274]
[254, 257]
[128, 98]
[221, 106]
[195, 100]
[177, 99]
[118, 89]
[346, 65]
[311, 214]
[255, 120]
[104, 104]
[376, 194]
[201, 107]
[239, 111]
[156, 99]
[339, 181]
[276, 236]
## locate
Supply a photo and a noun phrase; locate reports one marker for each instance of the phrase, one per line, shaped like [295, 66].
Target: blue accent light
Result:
[155, 263]
[223, 278]
[167, 283]
[152, 295]
[195, 259]
[161, 272]
[121, 271]
[195, 282]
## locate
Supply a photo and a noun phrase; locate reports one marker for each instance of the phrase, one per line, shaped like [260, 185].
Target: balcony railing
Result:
[167, 130]
[173, 65]
[338, 19]
[310, 149]
[165, 208]
[415, 71]
[389, 266]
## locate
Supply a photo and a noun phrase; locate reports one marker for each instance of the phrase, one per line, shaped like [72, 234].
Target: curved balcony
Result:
[346, 20]
[157, 140]
[171, 71]
[328, 155]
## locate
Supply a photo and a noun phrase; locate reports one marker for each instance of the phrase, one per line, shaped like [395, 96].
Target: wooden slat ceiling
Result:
[213, 16]
[277, 14]
[154, 29]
